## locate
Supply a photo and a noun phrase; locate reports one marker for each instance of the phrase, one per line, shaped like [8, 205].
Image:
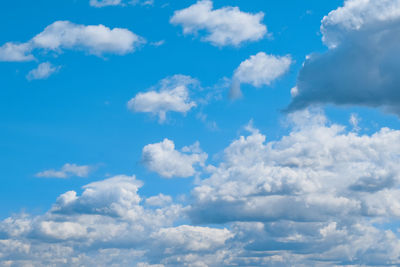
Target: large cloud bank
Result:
[321, 195]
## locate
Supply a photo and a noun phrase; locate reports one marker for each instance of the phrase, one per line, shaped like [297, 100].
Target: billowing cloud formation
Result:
[43, 71]
[225, 26]
[103, 3]
[159, 201]
[363, 61]
[168, 162]
[94, 39]
[320, 196]
[66, 171]
[172, 95]
[106, 225]
[315, 192]
[260, 69]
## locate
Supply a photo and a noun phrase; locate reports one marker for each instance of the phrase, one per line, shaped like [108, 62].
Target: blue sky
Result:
[94, 93]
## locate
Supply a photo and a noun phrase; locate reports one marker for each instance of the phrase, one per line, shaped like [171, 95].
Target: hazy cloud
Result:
[259, 70]
[43, 71]
[66, 171]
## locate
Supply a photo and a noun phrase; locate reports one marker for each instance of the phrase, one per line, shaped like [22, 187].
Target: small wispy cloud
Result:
[43, 71]
[66, 171]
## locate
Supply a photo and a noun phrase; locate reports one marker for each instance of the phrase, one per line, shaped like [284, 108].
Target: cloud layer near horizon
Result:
[320, 195]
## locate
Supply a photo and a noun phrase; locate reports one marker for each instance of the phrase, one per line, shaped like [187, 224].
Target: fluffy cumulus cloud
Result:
[224, 26]
[170, 95]
[168, 162]
[259, 70]
[93, 39]
[104, 3]
[319, 196]
[159, 201]
[362, 64]
[66, 171]
[43, 71]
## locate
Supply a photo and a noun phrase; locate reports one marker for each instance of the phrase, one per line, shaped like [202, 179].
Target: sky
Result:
[199, 133]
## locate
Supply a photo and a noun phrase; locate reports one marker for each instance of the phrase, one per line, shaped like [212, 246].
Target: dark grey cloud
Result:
[362, 65]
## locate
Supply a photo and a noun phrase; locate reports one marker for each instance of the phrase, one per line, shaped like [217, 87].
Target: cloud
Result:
[309, 175]
[104, 3]
[320, 195]
[354, 121]
[43, 71]
[160, 200]
[15, 52]
[172, 95]
[191, 238]
[66, 171]
[224, 26]
[259, 70]
[362, 64]
[93, 39]
[120, 190]
[168, 162]
[104, 226]
[314, 192]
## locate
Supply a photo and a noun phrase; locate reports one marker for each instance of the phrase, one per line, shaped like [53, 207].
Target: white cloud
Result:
[315, 173]
[120, 190]
[320, 195]
[354, 121]
[168, 162]
[160, 200]
[316, 193]
[107, 226]
[94, 39]
[172, 95]
[192, 238]
[225, 26]
[158, 43]
[66, 171]
[15, 52]
[259, 70]
[103, 3]
[358, 15]
[43, 71]
[362, 37]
